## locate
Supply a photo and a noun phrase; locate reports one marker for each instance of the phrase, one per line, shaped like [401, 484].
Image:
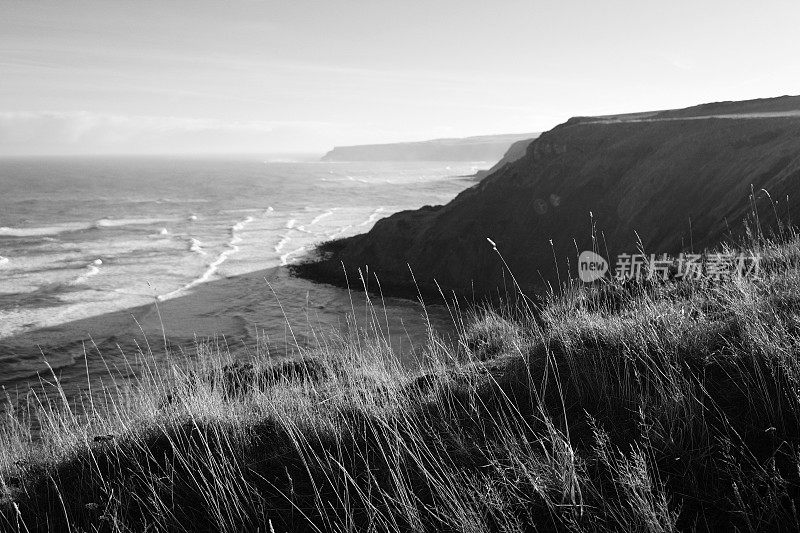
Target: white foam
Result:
[290, 224]
[4, 260]
[283, 242]
[339, 233]
[323, 216]
[196, 246]
[373, 217]
[285, 257]
[92, 270]
[240, 225]
[42, 231]
[214, 265]
[120, 222]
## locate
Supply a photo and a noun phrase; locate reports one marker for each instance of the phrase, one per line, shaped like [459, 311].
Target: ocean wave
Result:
[120, 222]
[180, 201]
[323, 216]
[92, 269]
[4, 260]
[373, 217]
[240, 225]
[340, 232]
[290, 223]
[42, 231]
[214, 265]
[196, 246]
[285, 257]
[235, 239]
[283, 242]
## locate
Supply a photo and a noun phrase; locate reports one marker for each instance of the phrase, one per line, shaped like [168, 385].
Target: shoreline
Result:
[322, 265]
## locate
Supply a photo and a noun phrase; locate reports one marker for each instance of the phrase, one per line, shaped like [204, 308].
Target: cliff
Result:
[514, 152]
[482, 148]
[668, 181]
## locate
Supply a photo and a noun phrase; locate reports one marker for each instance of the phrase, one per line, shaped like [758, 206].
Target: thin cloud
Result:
[88, 132]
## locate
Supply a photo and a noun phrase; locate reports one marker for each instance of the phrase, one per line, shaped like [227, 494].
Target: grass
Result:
[625, 407]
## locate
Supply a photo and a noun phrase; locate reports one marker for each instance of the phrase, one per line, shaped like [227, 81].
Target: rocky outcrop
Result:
[664, 182]
[483, 148]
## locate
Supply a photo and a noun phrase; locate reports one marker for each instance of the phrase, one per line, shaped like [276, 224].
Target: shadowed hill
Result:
[667, 181]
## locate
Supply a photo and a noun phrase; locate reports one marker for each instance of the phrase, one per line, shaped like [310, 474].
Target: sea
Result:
[104, 258]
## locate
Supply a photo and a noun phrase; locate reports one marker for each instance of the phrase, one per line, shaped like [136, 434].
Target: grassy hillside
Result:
[627, 407]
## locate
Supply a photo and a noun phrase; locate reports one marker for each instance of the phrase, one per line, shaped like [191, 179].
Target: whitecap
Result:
[283, 242]
[214, 265]
[164, 231]
[324, 215]
[339, 233]
[92, 270]
[285, 257]
[196, 246]
[42, 231]
[120, 222]
[4, 260]
[240, 225]
[290, 224]
[373, 217]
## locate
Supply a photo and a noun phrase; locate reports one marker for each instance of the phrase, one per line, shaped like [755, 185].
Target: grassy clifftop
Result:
[628, 407]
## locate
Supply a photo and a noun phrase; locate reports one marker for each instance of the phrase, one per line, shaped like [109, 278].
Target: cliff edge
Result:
[665, 181]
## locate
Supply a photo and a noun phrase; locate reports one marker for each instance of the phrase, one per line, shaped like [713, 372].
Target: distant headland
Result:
[480, 148]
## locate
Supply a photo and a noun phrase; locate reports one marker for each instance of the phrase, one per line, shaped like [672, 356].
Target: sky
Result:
[282, 76]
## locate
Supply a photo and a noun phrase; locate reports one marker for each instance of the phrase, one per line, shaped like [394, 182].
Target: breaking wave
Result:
[214, 265]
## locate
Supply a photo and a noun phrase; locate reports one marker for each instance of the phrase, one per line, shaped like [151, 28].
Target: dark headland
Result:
[664, 181]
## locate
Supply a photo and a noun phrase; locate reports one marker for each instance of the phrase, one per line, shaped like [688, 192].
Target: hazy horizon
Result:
[277, 78]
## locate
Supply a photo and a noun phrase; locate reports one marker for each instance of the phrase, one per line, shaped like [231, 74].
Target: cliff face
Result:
[672, 180]
[514, 152]
[483, 148]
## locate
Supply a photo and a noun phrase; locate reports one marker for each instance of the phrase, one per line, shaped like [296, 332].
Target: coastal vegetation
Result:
[637, 406]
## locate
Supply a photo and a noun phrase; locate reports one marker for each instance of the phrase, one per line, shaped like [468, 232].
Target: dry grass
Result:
[645, 407]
